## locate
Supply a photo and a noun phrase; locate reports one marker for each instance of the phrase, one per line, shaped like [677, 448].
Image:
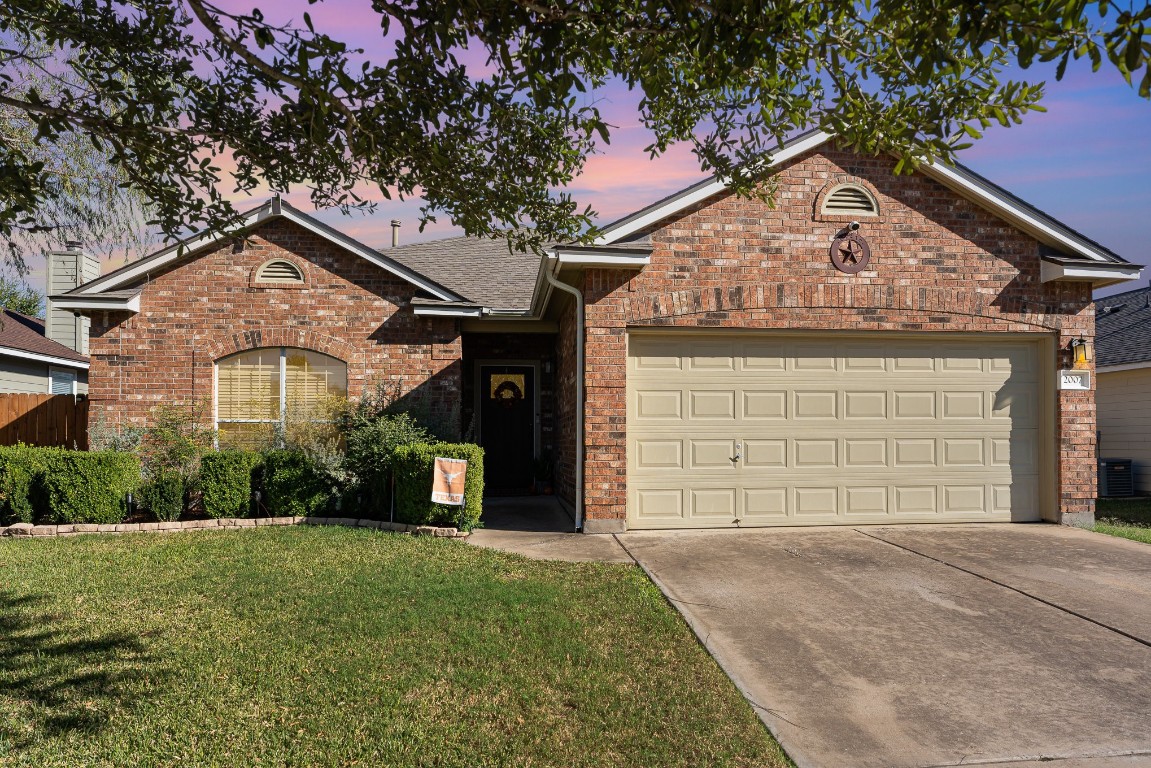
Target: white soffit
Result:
[96, 302]
[1099, 275]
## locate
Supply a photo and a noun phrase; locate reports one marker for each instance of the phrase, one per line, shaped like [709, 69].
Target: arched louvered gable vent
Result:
[279, 272]
[850, 199]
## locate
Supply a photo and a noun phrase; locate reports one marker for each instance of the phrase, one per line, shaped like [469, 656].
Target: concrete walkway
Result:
[924, 646]
[539, 528]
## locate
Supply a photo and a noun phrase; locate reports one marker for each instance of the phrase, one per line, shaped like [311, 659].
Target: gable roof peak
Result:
[273, 208]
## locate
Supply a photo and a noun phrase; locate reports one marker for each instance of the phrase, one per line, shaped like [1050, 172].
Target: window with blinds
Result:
[261, 389]
[62, 382]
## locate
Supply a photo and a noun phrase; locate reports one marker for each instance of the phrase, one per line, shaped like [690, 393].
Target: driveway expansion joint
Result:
[1017, 590]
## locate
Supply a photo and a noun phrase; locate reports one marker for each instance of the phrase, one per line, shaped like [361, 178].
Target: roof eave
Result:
[83, 304]
[24, 354]
[1097, 274]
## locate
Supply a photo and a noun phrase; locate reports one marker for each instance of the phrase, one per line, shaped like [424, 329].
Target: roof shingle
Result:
[1123, 328]
[481, 270]
[24, 333]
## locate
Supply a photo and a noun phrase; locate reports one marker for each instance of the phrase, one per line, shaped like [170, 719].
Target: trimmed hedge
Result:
[163, 496]
[293, 485]
[413, 465]
[21, 492]
[55, 485]
[226, 482]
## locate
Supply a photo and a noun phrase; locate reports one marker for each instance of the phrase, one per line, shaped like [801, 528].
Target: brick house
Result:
[869, 348]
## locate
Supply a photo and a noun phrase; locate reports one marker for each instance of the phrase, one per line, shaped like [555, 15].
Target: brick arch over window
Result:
[839, 181]
[300, 338]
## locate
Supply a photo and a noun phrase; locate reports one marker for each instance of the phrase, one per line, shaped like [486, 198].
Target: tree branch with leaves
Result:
[166, 90]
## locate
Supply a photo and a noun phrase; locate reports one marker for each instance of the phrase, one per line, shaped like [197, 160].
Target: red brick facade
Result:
[210, 307]
[939, 263]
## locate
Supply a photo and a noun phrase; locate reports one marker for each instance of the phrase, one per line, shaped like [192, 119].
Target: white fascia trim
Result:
[716, 186]
[50, 359]
[1122, 367]
[255, 217]
[1021, 218]
[448, 311]
[94, 303]
[177, 251]
[611, 260]
[1100, 276]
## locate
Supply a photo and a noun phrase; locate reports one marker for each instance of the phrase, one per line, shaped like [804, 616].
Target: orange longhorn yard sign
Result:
[448, 482]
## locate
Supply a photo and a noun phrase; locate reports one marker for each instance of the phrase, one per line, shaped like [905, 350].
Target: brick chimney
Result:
[68, 269]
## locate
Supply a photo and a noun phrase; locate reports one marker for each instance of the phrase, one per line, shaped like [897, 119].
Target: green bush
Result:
[370, 445]
[163, 496]
[226, 482]
[21, 488]
[88, 487]
[293, 485]
[413, 466]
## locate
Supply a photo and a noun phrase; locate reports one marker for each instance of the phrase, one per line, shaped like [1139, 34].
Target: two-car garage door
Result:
[755, 430]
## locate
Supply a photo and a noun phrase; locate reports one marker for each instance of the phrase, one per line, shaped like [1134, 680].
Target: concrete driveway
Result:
[925, 645]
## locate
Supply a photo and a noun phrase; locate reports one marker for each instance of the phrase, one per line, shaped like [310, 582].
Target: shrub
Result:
[226, 482]
[293, 485]
[370, 445]
[21, 484]
[163, 496]
[413, 466]
[88, 487]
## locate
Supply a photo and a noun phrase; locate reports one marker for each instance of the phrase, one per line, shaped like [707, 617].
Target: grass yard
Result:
[1128, 518]
[342, 647]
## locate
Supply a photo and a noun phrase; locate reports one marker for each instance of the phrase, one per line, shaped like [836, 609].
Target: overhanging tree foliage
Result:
[168, 88]
[85, 196]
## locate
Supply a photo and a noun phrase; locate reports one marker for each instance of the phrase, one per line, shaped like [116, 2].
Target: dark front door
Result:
[507, 427]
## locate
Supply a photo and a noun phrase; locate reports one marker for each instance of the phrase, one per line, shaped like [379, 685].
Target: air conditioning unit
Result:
[1116, 477]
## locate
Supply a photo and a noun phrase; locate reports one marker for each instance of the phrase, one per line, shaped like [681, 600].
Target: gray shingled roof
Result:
[481, 270]
[1123, 328]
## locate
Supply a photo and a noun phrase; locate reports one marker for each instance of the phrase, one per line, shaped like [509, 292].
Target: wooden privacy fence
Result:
[49, 420]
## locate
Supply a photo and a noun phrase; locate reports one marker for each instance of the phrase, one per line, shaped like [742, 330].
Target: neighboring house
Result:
[32, 363]
[710, 361]
[1123, 386]
[38, 357]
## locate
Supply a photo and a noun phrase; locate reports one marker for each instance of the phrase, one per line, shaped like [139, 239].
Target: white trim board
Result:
[50, 359]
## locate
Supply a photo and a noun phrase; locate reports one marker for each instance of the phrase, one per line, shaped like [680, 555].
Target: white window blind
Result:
[261, 388]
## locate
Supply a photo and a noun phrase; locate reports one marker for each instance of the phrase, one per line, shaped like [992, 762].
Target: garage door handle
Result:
[738, 452]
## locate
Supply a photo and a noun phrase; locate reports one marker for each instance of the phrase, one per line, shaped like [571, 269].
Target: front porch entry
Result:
[507, 404]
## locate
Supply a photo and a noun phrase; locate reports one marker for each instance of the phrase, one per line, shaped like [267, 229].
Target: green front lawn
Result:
[329, 646]
[1129, 518]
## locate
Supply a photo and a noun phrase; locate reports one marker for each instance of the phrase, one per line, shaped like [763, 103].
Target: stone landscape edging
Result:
[30, 530]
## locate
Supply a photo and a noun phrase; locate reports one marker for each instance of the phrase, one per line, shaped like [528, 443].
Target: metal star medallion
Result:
[850, 253]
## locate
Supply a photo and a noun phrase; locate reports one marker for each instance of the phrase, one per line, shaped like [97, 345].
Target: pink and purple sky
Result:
[1086, 161]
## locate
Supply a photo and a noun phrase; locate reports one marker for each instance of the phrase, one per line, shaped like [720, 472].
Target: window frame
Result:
[53, 370]
[282, 357]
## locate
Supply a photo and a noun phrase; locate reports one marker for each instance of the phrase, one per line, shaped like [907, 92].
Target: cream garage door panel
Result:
[787, 430]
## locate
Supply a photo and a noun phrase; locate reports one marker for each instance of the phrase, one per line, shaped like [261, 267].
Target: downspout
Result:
[579, 452]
